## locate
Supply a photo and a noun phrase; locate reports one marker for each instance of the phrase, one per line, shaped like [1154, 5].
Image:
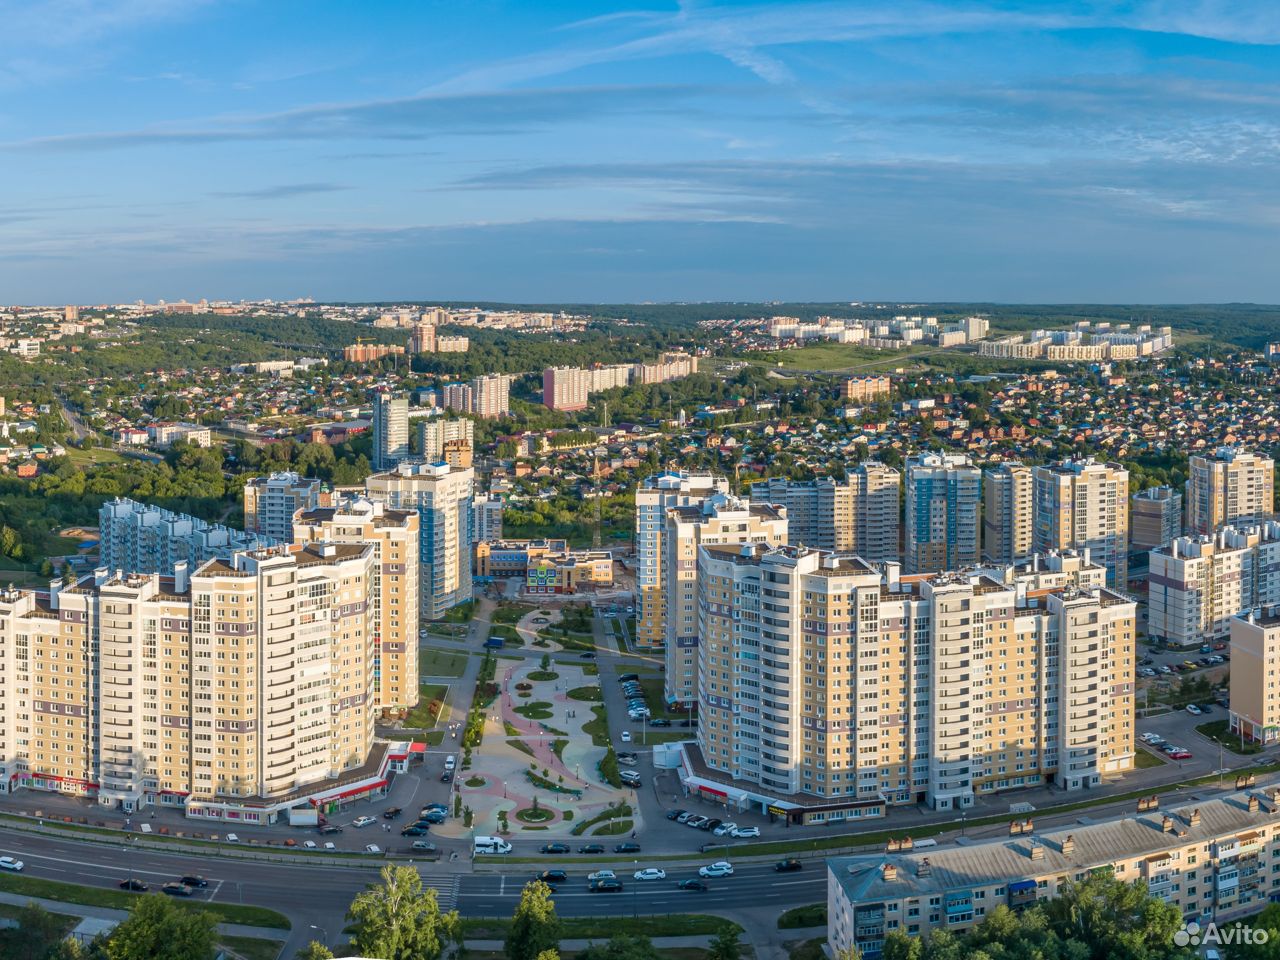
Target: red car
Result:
[1180, 755]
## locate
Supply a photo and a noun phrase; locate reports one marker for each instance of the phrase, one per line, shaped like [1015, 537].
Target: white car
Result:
[724, 828]
[1149, 737]
[1193, 709]
[330, 846]
[11, 863]
[232, 838]
[309, 844]
[372, 848]
[602, 875]
[721, 868]
[650, 873]
[363, 822]
[743, 832]
[696, 821]
[626, 736]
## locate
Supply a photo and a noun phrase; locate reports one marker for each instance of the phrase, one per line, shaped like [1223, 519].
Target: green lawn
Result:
[657, 698]
[427, 712]
[12, 911]
[1145, 758]
[652, 736]
[93, 455]
[1219, 732]
[813, 915]
[251, 948]
[809, 950]
[511, 612]
[597, 728]
[825, 356]
[120, 900]
[442, 663]
[461, 613]
[585, 693]
[510, 636]
[661, 925]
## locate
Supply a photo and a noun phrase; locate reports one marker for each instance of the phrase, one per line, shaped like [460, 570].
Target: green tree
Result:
[315, 950]
[548, 955]
[534, 926]
[621, 948]
[726, 946]
[1118, 920]
[35, 937]
[398, 920]
[158, 929]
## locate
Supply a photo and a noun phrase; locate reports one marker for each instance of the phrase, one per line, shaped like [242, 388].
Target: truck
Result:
[494, 643]
[304, 817]
[491, 845]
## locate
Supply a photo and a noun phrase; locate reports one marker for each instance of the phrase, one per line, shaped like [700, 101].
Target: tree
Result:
[726, 945]
[548, 955]
[398, 920]
[1115, 919]
[621, 948]
[315, 950]
[35, 938]
[534, 926]
[158, 929]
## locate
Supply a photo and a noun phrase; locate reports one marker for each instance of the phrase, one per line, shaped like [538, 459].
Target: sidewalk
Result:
[116, 916]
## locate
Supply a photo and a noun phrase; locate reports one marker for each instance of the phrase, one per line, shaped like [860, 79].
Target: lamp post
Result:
[323, 932]
[635, 889]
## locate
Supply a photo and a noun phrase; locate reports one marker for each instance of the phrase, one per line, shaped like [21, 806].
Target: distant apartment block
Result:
[441, 496]
[488, 396]
[137, 538]
[1083, 343]
[1084, 505]
[1196, 585]
[1155, 518]
[719, 519]
[831, 689]
[486, 518]
[1231, 486]
[865, 389]
[943, 501]
[858, 515]
[655, 495]
[435, 432]
[368, 352]
[166, 434]
[569, 388]
[1255, 660]
[1007, 513]
[390, 430]
[270, 503]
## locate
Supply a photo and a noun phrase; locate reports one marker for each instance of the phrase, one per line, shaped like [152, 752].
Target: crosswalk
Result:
[446, 886]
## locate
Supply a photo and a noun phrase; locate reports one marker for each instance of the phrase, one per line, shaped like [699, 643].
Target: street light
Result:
[323, 932]
[635, 889]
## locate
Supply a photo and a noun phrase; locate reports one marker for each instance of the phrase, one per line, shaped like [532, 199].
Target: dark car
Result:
[552, 876]
[175, 889]
[672, 814]
[136, 886]
[626, 848]
[554, 848]
[710, 824]
[659, 722]
[606, 886]
[591, 848]
[446, 777]
[624, 677]
[688, 723]
[434, 806]
[788, 866]
[414, 831]
[694, 884]
[328, 829]
[587, 655]
[391, 813]
[195, 881]
[434, 816]
[627, 754]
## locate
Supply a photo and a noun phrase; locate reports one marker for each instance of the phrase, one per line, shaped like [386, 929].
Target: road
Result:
[77, 425]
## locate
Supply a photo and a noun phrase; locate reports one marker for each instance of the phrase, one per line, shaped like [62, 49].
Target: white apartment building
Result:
[390, 430]
[270, 503]
[435, 432]
[138, 538]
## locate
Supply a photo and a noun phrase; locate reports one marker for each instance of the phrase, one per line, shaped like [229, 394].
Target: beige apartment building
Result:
[270, 503]
[1214, 860]
[831, 689]
[720, 519]
[858, 515]
[1229, 486]
[1084, 505]
[1155, 518]
[1006, 516]
[436, 433]
[1255, 663]
[655, 495]
[394, 592]
[235, 692]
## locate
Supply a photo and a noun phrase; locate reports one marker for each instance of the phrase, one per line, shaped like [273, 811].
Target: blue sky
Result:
[545, 151]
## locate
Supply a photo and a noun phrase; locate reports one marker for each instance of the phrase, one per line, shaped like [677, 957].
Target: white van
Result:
[491, 845]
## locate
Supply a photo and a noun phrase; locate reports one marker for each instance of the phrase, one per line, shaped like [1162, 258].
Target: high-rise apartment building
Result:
[458, 397]
[565, 388]
[1255, 660]
[423, 339]
[1084, 505]
[236, 693]
[858, 515]
[865, 389]
[441, 496]
[1197, 584]
[137, 538]
[655, 495]
[1155, 518]
[829, 690]
[270, 503]
[719, 519]
[486, 518]
[435, 432]
[943, 501]
[390, 430]
[491, 395]
[1006, 515]
[1229, 486]
[394, 592]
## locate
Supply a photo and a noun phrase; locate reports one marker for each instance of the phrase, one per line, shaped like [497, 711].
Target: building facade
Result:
[565, 388]
[943, 502]
[390, 430]
[1007, 513]
[138, 538]
[1084, 505]
[270, 503]
[1230, 486]
[1155, 518]
[858, 515]
[436, 433]
[1255, 661]
[654, 496]
[441, 496]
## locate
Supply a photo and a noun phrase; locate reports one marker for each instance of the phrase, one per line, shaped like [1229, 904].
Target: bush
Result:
[609, 768]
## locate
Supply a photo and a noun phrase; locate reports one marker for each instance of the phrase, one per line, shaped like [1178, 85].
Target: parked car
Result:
[328, 829]
[435, 806]
[552, 876]
[133, 886]
[413, 830]
[688, 723]
[11, 863]
[591, 848]
[175, 889]
[659, 722]
[788, 866]
[363, 822]
[391, 813]
[372, 848]
[1193, 709]
[650, 873]
[721, 868]
[710, 824]
[586, 655]
[435, 816]
[194, 881]
[425, 845]
[725, 829]
[606, 886]
[1180, 755]
[625, 677]
[696, 821]
[554, 848]
[744, 832]
[693, 884]
[308, 844]
[627, 761]
[674, 814]
[626, 736]
[446, 777]
[626, 848]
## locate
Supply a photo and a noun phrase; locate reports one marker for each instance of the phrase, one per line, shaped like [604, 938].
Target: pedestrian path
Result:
[116, 916]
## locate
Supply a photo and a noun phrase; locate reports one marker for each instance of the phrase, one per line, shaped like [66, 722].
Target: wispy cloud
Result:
[282, 191]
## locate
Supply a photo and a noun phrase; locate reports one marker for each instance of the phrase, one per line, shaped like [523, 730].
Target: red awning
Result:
[353, 792]
[713, 792]
[397, 756]
[50, 776]
[417, 748]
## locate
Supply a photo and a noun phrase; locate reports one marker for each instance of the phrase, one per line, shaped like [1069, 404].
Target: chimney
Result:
[1037, 851]
[1253, 803]
[1069, 845]
[1166, 824]
[890, 873]
[55, 588]
[181, 577]
[1194, 819]
[923, 868]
